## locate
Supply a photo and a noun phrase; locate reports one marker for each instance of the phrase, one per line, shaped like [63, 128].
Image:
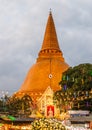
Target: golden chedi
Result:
[48, 69]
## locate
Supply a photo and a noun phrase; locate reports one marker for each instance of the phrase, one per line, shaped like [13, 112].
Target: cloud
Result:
[22, 26]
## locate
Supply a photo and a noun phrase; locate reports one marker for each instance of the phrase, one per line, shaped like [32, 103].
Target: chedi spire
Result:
[50, 46]
[50, 38]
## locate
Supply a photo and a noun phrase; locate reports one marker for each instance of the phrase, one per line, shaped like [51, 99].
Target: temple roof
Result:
[50, 38]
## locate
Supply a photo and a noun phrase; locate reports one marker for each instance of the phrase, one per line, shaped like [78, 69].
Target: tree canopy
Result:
[78, 77]
[76, 86]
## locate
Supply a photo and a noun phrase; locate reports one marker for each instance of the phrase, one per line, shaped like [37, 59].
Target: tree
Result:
[3, 106]
[26, 104]
[14, 105]
[76, 88]
[17, 105]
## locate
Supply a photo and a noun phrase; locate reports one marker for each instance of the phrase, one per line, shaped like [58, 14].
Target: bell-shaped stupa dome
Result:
[48, 69]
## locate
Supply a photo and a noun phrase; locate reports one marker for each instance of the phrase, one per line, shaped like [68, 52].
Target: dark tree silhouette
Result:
[76, 88]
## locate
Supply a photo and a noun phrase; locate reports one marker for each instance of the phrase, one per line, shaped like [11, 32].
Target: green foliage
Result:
[76, 88]
[14, 105]
[26, 104]
[78, 76]
[18, 105]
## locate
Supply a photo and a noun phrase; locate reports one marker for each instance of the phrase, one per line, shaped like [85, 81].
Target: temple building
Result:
[44, 76]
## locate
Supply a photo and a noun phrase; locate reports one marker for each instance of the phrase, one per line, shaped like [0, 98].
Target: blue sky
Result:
[22, 26]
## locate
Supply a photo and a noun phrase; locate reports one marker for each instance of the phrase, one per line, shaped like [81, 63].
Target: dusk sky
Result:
[22, 27]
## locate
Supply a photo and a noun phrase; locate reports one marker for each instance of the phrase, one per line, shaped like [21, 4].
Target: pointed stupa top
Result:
[50, 46]
[50, 38]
